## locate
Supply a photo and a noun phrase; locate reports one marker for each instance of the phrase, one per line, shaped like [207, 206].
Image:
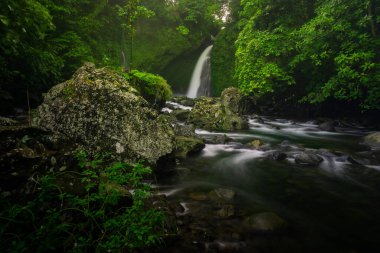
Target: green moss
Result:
[153, 88]
[68, 91]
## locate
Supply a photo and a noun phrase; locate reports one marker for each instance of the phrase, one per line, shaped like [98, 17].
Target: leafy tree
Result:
[325, 49]
[131, 11]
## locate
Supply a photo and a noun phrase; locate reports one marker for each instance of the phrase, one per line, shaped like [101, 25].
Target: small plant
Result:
[110, 215]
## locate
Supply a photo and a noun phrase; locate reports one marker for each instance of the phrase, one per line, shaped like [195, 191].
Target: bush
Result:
[105, 217]
[152, 87]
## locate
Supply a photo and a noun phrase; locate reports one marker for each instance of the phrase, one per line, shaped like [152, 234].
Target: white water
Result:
[195, 82]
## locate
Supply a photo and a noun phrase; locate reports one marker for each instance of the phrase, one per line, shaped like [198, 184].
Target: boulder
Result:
[256, 144]
[184, 130]
[230, 99]
[307, 158]
[181, 115]
[276, 155]
[7, 121]
[373, 139]
[265, 222]
[328, 126]
[235, 102]
[222, 194]
[183, 100]
[211, 114]
[221, 139]
[186, 146]
[225, 211]
[100, 110]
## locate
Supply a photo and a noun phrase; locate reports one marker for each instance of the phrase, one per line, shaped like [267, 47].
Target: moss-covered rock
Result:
[100, 110]
[181, 115]
[213, 114]
[186, 146]
[373, 139]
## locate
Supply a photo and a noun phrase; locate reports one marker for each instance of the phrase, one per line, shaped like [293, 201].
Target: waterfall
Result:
[200, 84]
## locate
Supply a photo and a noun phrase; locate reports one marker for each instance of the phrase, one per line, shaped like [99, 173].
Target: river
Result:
[332, 206]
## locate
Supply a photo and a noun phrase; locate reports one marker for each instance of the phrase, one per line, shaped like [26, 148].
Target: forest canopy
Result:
[314, 50]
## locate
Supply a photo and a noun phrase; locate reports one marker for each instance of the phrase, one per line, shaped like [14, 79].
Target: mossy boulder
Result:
[373, 139]
[212, 114]
[231, 99]
[100, 110]
[186, 146]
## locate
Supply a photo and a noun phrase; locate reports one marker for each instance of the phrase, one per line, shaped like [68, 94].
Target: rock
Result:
[235, 103]
[198, 196]
[181, 115]
[221, 139]
[186, 146]
[209, 113]
[7, 121]
[276, 155]
[183, 100]
[256, 144]
[307, 158]
[358, 160]
[230, 99]
[222, 194]
[100, 110]
[184, 130]
[265, 222]
[226, 211]
[373, 139]
[328, 126]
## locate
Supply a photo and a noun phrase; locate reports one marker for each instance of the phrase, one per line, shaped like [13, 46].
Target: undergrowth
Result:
[111, 213]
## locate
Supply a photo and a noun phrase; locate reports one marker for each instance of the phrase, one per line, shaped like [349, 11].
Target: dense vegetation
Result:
[100, 217]
[310, 51]
[43, 42]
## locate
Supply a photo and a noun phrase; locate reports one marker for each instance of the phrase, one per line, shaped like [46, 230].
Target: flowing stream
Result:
[330, 207]
[201, 80]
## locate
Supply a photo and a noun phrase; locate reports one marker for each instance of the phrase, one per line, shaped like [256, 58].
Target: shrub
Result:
[105, 217]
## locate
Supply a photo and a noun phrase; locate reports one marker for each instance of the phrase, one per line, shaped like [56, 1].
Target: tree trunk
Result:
[372, 17]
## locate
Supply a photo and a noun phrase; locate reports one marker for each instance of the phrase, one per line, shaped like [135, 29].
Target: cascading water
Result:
[200, 84]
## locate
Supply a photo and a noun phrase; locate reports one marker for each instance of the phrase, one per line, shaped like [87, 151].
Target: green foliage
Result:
[95, 221]
[223, 60]
[328, 48]
[152, 87]
[183, 30]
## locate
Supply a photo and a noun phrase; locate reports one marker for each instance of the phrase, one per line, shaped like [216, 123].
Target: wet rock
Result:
[211, 114]
[222, 194]
[186, 146]
[230, 99]
[276, 155]
[256, 144]
[181, 115]
[7, 121]
[307, 158]
[358, 160]
[265, 222]
[221, 139]
[184, 130]
[226, 211]
[198, 196]
[100, 110]
[373, 139]
[183, 100]
[328, 126]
